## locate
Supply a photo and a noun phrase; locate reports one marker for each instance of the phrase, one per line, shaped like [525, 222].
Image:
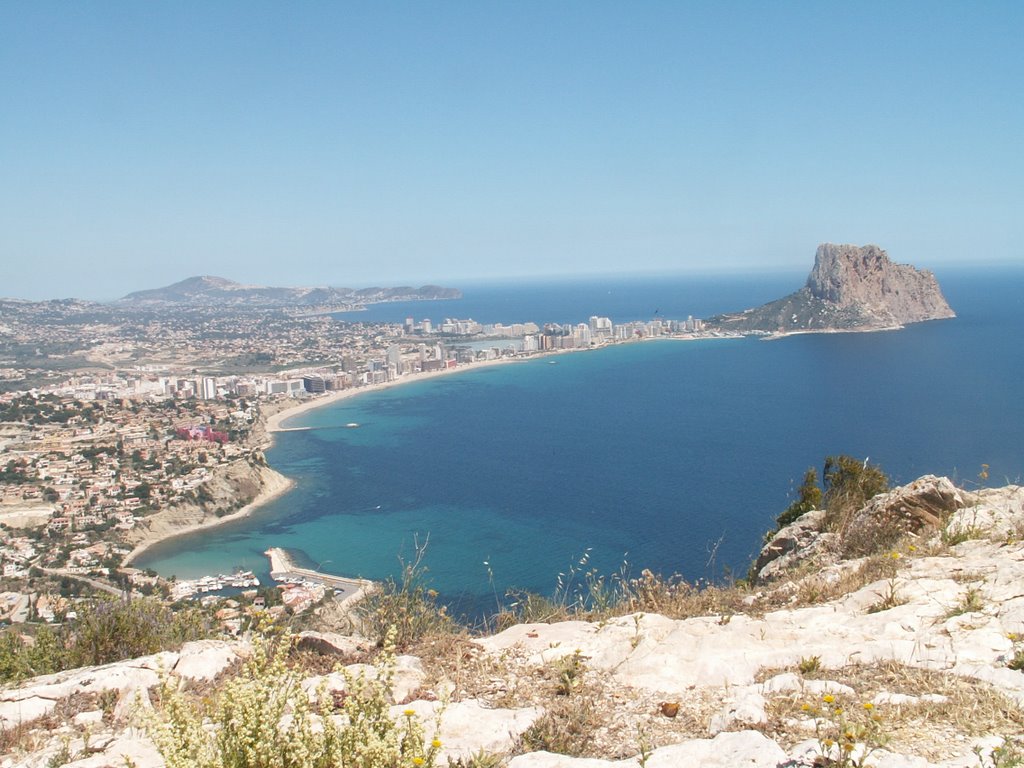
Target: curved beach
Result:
[171, 523]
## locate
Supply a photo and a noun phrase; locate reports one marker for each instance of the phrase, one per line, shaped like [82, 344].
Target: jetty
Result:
[284, 569]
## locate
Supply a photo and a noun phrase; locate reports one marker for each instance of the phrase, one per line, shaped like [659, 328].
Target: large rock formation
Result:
[850, 288]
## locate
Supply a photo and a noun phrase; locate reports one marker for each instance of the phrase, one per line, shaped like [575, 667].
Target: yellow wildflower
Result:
[409, 712]
[417, 761]
[868, 705]
[436, 743]
[828, 698]
[805, 707]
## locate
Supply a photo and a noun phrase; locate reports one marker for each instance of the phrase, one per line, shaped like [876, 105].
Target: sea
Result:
[667, 455]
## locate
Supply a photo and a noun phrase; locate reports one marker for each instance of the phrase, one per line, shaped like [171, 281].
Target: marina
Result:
[189, 587]
[283, 569]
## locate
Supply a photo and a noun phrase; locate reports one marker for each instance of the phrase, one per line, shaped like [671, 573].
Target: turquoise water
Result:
[674, 456]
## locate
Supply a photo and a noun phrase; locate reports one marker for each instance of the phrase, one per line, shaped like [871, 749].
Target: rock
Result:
[128, 749]
[996, 512]
[467, 727]
[551, 760]
[742, 749]
[406, 679]
[204, 659]
[924, 503]
[801, 542]
[849, 288]
[39, 696]
[131, 703]
[88, 718]
[332, 644]
[743, 708]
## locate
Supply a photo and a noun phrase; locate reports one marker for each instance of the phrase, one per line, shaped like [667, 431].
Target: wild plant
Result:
[262, 719]
[846, 739]
[408, 609]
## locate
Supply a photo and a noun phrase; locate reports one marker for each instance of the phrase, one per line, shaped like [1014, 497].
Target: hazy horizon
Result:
[353, 144]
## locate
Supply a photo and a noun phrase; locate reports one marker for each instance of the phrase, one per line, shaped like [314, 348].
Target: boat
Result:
[352, 425]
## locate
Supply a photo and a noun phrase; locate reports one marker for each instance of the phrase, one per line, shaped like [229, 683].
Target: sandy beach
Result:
[275, 422]
[274, 485]
[167, 524]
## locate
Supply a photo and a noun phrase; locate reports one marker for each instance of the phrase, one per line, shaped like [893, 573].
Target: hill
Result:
[850, 288]
[207, 290]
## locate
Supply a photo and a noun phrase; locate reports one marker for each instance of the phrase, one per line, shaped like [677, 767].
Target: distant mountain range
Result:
[207, 290]
[850, 288]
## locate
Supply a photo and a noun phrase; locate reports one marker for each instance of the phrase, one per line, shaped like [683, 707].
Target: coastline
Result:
[275, 484]
[275, 422]
[173, 525]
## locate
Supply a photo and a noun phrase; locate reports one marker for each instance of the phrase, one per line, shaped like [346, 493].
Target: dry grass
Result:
[932, 730]
[816, 589]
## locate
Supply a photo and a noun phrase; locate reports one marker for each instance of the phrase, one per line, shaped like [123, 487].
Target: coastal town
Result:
[123, 424]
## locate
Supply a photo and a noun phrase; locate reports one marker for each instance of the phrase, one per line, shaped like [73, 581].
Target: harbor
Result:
[188, 587]
[283, 569]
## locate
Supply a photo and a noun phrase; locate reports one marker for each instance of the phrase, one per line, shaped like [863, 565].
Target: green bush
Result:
[808, 498]
[106, 631]
[112, 629]
[849, 484]
[262, 719]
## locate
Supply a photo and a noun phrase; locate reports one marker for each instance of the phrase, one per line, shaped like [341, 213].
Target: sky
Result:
[383, 143]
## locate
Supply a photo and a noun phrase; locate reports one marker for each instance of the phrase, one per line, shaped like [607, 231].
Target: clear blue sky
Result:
[383, 143]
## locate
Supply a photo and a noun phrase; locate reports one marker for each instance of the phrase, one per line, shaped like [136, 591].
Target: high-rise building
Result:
[314, 384]
[209, 388]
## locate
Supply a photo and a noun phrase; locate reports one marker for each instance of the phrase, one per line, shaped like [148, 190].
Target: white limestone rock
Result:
[204, 659]
[333, 644]
[737, 749]
[467, 727]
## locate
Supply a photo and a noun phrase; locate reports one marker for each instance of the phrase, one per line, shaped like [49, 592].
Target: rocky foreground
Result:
[907, 658]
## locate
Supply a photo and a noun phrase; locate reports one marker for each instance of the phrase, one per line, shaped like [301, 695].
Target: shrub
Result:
[406, 610]
[111, 630]
[808, 498]
[262, 719]
[849, 484]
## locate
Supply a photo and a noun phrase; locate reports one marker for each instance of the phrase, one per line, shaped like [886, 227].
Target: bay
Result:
[668, 455]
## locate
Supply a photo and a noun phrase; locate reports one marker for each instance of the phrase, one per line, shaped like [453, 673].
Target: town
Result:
[110, 415]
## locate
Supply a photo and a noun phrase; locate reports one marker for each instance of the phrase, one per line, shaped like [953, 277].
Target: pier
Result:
[283, 568]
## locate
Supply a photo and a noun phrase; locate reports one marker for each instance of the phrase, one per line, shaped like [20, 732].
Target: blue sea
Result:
[669, 455]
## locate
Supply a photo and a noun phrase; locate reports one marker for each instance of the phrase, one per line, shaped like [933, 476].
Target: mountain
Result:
[850, 288]
[208, 290]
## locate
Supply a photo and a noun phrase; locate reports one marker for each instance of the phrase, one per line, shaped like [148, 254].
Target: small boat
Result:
[352, 425]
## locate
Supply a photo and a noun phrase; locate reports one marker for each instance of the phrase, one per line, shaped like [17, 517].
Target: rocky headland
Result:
[850, 288]
[907, 657]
